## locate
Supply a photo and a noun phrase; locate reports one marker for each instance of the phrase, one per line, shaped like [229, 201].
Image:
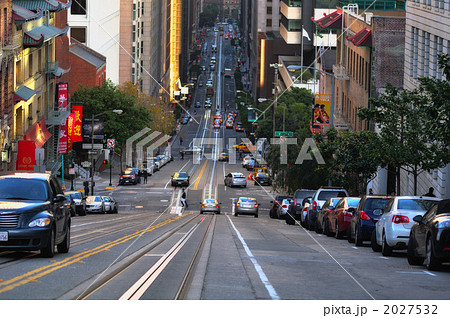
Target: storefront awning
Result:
[362, 38]
[38, 35]
[330, 21]
[23, 94]
[38, 133]
[58, 72]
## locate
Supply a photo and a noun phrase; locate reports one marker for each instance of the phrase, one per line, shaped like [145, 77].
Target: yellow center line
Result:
[200, 175]
[77, 258]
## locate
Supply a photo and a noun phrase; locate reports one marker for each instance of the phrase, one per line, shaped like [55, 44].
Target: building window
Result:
[414, 51]
[142, 28]
[142, 47]
[134, 33]
[134, 12]
[39, 60]
[78, 7]
[30, 65]
[78, 34]
[269, 22]
[19, 77]
[269, 10]
[142, 8]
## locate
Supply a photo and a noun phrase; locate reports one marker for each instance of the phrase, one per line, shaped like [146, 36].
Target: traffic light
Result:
[105, 162]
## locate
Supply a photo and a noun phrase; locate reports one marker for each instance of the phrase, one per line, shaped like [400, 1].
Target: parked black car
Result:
[33, 214]
[365, 216]
[296, 208]
[322, 216]
[275, 204]
[80, 201]
[429, 239]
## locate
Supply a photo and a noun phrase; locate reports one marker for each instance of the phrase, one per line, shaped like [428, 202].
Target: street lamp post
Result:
[117, 111]
[275, 66]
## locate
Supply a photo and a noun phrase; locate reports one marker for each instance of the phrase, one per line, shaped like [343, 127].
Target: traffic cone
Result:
[249, 176]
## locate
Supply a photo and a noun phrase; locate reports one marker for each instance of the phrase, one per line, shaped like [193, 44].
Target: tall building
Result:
[9, 44]
[98, 26]
[427, 37]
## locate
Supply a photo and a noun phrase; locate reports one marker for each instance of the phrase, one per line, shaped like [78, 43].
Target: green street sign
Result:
[284, 133]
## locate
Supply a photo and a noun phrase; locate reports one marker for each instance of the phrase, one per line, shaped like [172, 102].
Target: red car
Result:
[339, 218]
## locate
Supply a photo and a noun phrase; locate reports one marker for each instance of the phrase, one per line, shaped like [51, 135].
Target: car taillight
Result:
[400, 219]
[256, 205]
[314, 205]
[238, 204]
[284, 206]
[305, 209]
[295, 201]
[203, 205]
[217, 206]
[363, 216]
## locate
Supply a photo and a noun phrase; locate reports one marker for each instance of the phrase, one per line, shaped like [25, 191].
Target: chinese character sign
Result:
[77, 110]
[70, 121]
[62, 144]
[62, 94]
[26, 155]
[321, 113]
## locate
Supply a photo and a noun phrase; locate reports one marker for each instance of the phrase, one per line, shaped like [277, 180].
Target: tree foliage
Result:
[413, 125]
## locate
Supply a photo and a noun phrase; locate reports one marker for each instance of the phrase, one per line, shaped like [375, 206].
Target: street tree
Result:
[413, 125]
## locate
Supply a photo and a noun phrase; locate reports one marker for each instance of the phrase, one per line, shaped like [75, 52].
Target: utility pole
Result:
[276, 66]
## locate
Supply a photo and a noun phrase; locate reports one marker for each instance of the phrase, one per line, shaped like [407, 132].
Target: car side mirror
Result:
[418, 218]
[59, 198]
[351, 210]
[271, 201]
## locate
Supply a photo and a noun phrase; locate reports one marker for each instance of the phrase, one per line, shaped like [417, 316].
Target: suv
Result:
[295, 209]
[33, 214]
[318, 199]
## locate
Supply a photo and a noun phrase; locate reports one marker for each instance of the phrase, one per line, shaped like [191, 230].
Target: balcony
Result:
[291, 11]
[9, 47]
[379, 5]
[340, 72]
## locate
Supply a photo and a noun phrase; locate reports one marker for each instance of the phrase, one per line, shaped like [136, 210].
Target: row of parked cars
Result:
[80, 204]
[418, 224]
[153, 164]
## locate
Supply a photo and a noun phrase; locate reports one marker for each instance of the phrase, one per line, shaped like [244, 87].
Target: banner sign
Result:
[26, 155]
[62, 143]
[62, 94]
[321, 110]
[38, 133]
[77, 136]
[97, 125]
[70, 121]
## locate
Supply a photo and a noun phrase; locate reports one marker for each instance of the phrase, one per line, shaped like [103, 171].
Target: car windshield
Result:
[106, 199]
[94, 199]
[247, 200]
[23, 189]
[128, 172]
[210, 201]
[353, 202]
[180, 175]
[324, 195]
[414, 204]
[76, 195]
[261, 174]
[375, 203]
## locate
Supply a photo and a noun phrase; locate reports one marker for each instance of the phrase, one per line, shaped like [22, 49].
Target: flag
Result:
[305, 34]
[318, 34]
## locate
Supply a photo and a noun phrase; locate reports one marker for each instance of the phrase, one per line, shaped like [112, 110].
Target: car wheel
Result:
[311, 225]
[412, 258]
[373, 242]
[201, 212]
[318, 228]
[432, 262]
[256, 215]
[272, 214]
[349, 235]
[218, 213]
[326, 229]
[338, 233]
[83, 212]
[49, 250]
[358, 237]
[289, 219]
[64, 246]
[235, 214]
[386, 250]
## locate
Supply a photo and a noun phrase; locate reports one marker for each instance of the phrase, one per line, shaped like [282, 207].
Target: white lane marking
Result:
[272, 292]
[164, 200]
[431, 274]
[354, 247]
[383, 257]
[106, 221]
[139, 207]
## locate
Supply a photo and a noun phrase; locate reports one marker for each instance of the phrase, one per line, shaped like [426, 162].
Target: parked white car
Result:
[283, 208]
[392, 230]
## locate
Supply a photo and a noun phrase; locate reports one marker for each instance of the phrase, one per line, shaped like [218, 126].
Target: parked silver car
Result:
[95, 204]
[283, 208]
[245, 205]
[235, 179]
[393, 228]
